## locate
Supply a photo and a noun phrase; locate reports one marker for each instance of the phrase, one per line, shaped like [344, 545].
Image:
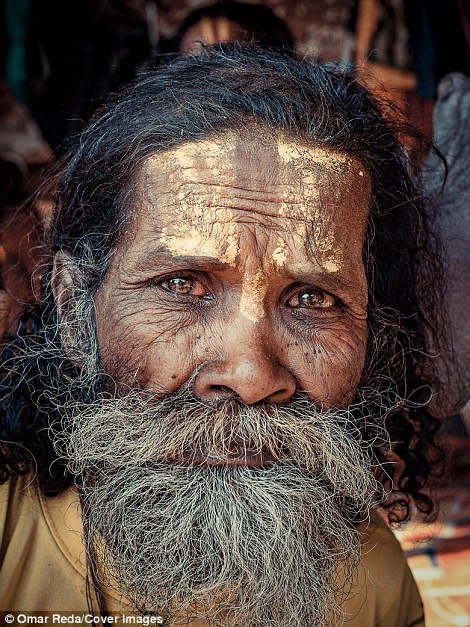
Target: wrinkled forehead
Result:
[283, 165]
[214, 189]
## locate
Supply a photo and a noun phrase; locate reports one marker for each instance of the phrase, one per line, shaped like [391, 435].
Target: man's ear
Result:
[62, 282]
[67, 285]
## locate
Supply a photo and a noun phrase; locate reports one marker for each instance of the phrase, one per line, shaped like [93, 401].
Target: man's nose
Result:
[247, 370]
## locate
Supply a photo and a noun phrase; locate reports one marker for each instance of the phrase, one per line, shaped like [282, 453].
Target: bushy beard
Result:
[275, 545]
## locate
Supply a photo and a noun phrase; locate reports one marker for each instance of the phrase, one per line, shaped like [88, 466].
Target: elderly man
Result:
[226, 400]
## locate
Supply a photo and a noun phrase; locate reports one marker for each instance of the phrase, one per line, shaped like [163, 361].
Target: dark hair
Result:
[231, 87]
[261, 24]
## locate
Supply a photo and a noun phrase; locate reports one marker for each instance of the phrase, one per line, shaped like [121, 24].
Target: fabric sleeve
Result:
[385, 593]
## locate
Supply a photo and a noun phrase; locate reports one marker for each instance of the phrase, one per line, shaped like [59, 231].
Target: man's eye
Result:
[185, 286]
[312, 298]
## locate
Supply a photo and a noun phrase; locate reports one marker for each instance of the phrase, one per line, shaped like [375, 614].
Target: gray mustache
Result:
[178, 429]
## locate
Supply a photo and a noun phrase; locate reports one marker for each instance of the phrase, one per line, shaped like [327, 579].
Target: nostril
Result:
[226, 391]
[281, 396]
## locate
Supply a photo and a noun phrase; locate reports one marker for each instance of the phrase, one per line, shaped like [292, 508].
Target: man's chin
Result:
[231, 543]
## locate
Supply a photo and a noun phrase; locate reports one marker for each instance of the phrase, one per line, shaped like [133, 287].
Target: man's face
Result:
[211, 482]
[243, 269]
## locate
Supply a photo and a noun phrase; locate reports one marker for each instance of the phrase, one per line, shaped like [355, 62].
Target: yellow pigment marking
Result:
[208, 153]
[279, 255]
[222, 242]
[199, 229]
[291, 153]
[213, 231]
[332, 264]
[189, 242]
[254, 288]
[202, 155]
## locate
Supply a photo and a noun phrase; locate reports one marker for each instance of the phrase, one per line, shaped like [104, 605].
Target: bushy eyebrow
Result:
[161, 256]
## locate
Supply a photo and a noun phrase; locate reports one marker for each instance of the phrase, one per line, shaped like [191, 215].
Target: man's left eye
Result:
[312, 298]
[187, 286]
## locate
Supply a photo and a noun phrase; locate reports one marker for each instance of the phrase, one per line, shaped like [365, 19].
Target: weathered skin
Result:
[216, 277]
[452, 136]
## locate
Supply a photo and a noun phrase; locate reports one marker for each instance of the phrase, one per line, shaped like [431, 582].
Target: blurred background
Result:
[59, 61]
[60, 58]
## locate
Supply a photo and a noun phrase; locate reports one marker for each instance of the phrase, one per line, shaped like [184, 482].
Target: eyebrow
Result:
[162, 256]
[334, 281]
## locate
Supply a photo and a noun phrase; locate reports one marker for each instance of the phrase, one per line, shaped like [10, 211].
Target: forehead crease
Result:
[234, 217]
[235, 173]
[230, 203]
[215, 192]
[288, 181]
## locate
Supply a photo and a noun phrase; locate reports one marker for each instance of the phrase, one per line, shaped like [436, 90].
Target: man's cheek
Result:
[155, 348]
[329, 364]
[131, 321]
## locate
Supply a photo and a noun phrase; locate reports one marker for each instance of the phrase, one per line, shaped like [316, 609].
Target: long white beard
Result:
[234, 545]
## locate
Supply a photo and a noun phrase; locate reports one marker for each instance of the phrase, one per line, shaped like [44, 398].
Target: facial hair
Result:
[242, 545]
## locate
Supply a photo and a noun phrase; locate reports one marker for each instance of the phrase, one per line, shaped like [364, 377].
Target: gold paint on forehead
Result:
[188, 156]
[292, 152]
[332, 264]
[293, 169]
[223, 243]
[302, 173]
[181, 238]
[315, 167]
[254, 288]
[280, 253]
[189, 234]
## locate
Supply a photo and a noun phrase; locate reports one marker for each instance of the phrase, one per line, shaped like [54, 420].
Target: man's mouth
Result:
[237, 456]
